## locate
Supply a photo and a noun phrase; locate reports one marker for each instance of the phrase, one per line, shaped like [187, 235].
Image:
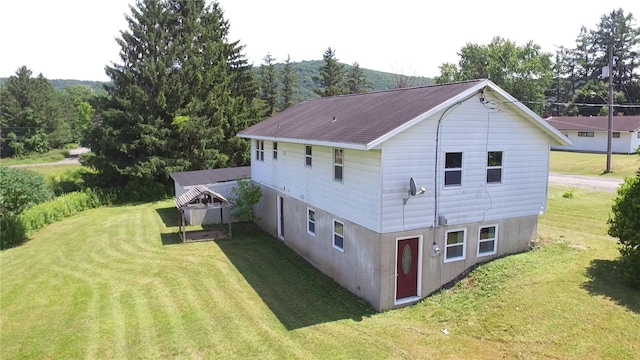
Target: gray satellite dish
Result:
[412, 187]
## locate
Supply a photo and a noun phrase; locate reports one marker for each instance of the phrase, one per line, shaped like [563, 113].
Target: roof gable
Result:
[364, 121]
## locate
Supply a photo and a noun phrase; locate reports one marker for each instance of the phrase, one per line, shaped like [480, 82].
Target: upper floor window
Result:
[275, 150]
[487, 240]
[494, 167]
[307, 155]
[585, 133]
[338, 235]
[615, 134]
[311, 221]
[260, 150]
[453, 169]
[455, 245]
[338, 163]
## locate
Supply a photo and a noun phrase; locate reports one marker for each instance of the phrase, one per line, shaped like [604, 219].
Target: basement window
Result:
[455, 245]
[487, 240]
[311, 221]
[338, 235]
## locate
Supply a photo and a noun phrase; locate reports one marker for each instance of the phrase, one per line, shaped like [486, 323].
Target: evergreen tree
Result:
[331, 80]
[269, 84]
[289, 84]
[178, 98]
[617, 33]
[356, 81]
[28, 114]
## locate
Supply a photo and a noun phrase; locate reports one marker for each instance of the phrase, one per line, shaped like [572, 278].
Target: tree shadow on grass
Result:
[297, 293]
[604, 281]
[170, 216]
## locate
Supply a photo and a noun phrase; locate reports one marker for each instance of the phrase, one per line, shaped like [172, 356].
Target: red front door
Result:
[407, 268]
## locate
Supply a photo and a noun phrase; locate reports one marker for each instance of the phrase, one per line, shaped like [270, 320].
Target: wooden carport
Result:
[203, 197]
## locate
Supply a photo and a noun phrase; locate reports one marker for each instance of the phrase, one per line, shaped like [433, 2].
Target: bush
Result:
[247, 194]
[21, 189]
[625, 225]
[15, 229]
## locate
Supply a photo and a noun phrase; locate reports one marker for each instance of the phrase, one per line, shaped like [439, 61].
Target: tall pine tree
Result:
[180, 94]
[331, 79]
[289, 84]
[356, 81]
[269, 83]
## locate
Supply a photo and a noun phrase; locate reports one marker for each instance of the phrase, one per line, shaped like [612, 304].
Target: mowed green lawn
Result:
[576, 163]
[113, 283]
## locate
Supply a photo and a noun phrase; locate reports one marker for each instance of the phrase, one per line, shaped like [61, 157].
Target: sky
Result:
[76, 39]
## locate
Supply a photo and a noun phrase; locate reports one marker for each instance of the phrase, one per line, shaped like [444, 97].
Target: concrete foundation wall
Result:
[367, 266]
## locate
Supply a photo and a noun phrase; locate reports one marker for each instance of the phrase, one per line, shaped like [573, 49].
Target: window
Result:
[487, 240]
[585, 133]
[337, 164]
[638, 134]
[307, 155]
[454, 249]
[260, 150]
[615, 134]
[275, 150]
[453, 169]
[494, 167]
[338, 235]
[311, 221]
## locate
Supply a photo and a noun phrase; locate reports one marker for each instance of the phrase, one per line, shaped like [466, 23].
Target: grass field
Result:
[114, 283]
[51, 156]
[565, 162]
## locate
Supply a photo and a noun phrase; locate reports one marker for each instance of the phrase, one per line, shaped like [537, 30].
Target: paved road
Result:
[71, 160]
[591, 182]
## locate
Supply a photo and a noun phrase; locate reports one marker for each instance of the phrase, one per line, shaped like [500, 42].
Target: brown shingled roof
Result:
[356, 119]
[595, 123]
[203, 177]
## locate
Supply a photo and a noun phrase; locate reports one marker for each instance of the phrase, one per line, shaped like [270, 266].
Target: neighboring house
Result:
[342, 177]
[220, 181]
[590, 133]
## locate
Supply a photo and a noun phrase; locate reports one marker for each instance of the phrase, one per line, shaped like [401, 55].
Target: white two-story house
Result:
[396, 193]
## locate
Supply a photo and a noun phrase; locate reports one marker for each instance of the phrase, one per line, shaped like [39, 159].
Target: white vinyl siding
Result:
[473, 130]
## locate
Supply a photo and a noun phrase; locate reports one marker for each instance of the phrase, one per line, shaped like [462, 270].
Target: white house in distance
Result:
[590, 133]
[396, 193]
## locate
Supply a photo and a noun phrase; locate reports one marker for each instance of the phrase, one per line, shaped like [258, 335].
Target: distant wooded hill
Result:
[306, 71]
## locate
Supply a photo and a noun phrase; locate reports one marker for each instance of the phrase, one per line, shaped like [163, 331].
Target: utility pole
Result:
[610, 105]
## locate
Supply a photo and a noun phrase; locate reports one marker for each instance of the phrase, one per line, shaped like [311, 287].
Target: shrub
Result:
[625, 225]
[247, 194]
[21, 189]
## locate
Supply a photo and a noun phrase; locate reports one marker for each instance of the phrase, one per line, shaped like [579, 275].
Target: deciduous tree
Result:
[523, 71]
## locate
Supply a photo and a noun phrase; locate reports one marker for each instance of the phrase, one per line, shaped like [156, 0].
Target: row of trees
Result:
[570, 83]
[34, 117]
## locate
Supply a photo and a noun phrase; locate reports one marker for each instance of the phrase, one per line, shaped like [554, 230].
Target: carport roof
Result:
[212, 176]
